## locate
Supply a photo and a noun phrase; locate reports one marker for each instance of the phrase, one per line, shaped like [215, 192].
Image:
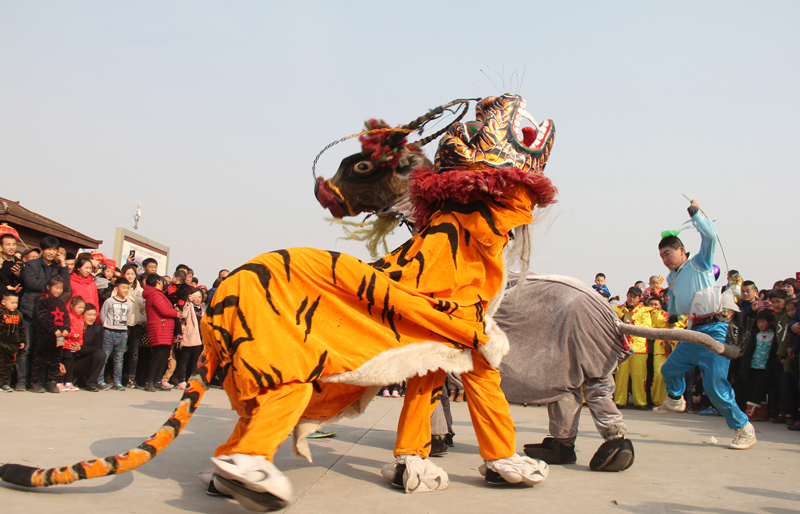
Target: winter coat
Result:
[93, 336]
[34, 280]
[49, 315]
[75, 329]
[135, 296]
[160, 316]
[191, 333]
[12, 329]
[782, 321]
[7, 277]
[85, 288]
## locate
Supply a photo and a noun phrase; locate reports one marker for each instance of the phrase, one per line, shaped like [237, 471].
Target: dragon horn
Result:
[28, 476]
[396, 137]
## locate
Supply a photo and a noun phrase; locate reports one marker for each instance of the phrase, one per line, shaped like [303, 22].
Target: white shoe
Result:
[671, 405]
[514, 470]
[414, 474]
[253, 481]
[745, 438]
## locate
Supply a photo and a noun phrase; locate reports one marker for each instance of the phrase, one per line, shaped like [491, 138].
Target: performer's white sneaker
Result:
[253, 481]
[745, 438]
[514, 470]
[671, 405]
[414, 474]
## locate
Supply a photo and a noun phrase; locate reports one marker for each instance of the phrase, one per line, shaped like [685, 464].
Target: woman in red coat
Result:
[160, 326]
[82, 282]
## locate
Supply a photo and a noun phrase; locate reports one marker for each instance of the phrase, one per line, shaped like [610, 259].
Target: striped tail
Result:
[28, 476]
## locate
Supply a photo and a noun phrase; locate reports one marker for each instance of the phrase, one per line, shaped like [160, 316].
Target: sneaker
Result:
[37, 388]
[103, 386]
[118, 387]
[20, 387]
[61, 387]
[710, 411]
[319, 434]
[795, 427]
[132, 384]
[181, 386]
[395, 394]
[745, 438]
[671, 405]
[91, 388]
[386, 393]
[73, 387]
[166, 385]
[67, 387]
[6, 389]
[52, 387]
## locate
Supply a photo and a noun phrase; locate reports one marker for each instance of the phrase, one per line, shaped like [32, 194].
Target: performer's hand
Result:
[695, 204]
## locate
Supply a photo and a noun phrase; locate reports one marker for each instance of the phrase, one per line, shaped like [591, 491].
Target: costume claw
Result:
[253, 481]
[514, 470]
[414, 474]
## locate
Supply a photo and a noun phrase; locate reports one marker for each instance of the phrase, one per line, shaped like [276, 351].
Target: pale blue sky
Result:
[211, 113]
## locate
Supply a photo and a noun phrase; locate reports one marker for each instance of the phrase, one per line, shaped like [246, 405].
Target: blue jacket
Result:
[697, 272]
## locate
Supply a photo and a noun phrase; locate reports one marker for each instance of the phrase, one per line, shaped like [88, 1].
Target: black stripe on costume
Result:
[48, 475]
[371, 294]
[385, 306]
[452, 235]
[361, 288]
[334, 258]
[467, 235]
[436, 398]
[287, 259]
[269, 379]
[277, 374]
[317, 372]
[264, 276]
[397, 275]
[253, 371]
[390, 318]
[471, 208]
[421, 258]
[79, 470]
[174, 424]
[310, 316]
[316, 386]
[193, 397]
[303, 306]
[114, 463]
[220, 306]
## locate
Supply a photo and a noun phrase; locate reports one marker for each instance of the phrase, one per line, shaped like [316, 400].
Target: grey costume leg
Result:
[599, 394]
[445, 403]
[564, 416]
[438, 421]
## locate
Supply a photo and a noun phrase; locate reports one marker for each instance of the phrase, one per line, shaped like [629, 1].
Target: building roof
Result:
[13, 213]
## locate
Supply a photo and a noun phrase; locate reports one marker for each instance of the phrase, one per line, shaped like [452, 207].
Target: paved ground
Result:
[677, 469]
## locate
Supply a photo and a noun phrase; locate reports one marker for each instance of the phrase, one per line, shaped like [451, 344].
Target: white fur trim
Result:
[398, 364]
[497, 346]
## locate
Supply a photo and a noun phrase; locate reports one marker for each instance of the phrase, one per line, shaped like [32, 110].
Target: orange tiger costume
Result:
[303, 335]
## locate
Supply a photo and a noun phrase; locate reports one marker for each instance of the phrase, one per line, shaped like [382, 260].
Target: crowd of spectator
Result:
[765, 378]
[80, 321]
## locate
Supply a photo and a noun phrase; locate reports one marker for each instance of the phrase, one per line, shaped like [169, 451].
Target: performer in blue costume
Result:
[690, 274]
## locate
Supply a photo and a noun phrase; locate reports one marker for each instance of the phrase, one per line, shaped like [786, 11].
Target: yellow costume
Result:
[634, 368]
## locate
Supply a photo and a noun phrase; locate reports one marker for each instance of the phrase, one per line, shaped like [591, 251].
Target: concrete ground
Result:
[678, 467]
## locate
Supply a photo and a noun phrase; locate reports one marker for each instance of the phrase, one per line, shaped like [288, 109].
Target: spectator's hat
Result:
[110, 264]
[29, 250]
[635, 290]
[6, 230]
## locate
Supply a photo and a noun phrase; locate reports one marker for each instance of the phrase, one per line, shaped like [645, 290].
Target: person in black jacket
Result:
[10, 265]
[52, 326]
[35, 276]
[90, 358]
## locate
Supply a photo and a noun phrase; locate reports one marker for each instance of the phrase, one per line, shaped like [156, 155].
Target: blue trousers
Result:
[114, 344]
[715, 372]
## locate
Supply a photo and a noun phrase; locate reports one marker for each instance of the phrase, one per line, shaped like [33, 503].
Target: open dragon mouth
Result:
[331, 198]
[534, 137]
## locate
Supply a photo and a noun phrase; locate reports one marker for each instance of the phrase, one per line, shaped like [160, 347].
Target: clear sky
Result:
[211, 113]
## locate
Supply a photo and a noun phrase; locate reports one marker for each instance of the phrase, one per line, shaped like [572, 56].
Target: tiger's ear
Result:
[411, 161]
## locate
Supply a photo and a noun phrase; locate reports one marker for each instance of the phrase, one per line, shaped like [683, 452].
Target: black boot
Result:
[148, 386]
[553, 451]
[613, 455]
[37, 388]
[438, 445]
[52, 387]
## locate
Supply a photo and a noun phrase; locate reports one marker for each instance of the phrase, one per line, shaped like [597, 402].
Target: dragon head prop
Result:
[487, 155]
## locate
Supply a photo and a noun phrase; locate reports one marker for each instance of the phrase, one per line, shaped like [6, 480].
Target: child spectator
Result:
[12, 336]
[90, 358]
[655, 286]
[191, 346]
[105, 280]
[73, 342]
[788, 381]
[178, 294]
[635, 367]
[114, 315]
[661, 350]
[52, 326]
[758, 374]
[600, 286]
[135, 326]
[160, 329]
[82, 281]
